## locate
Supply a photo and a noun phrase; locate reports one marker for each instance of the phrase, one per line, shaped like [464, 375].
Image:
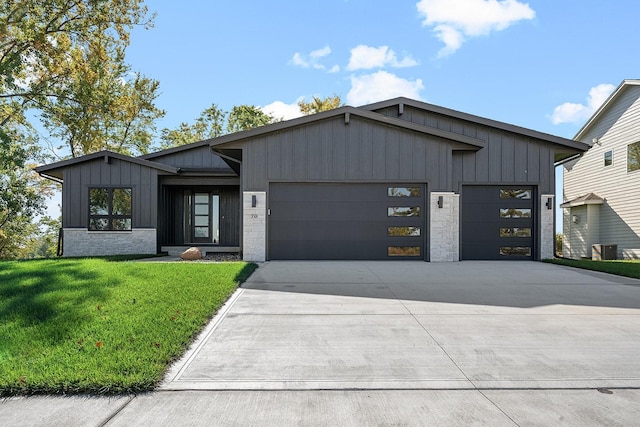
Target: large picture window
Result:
[110, 209]
[633, 156]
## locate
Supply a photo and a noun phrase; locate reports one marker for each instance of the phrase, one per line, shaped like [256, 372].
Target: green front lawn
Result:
[103, 326]
[628, 268]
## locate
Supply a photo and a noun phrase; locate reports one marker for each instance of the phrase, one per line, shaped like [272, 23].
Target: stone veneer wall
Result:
[82, 242]
[444, 230]
[254, 228]
[547, 231]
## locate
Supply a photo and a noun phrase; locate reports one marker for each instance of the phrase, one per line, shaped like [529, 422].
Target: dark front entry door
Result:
[203, 214]
[498, 222]
[347, 221]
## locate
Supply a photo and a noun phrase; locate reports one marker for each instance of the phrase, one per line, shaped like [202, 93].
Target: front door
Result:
[204, 217]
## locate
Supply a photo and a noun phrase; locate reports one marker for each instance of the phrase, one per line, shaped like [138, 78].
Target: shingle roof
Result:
[587, 199]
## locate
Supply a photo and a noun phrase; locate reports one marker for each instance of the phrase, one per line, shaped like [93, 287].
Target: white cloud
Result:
[297, 60]
[312, 59]
[381, 85]
[334, 69]
[320, 53]
[570, 112]
[367, 57]
[280, 110]
[456, 20]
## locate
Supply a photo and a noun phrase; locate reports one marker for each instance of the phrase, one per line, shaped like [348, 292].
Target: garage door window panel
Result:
[403, 251]
[515, 194]
[403, 211]
[515, 232]
[403, 192]
[515, 213]
[403, 231]
[521, 251]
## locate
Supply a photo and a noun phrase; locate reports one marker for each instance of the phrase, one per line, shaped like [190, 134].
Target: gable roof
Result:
[401, 101]
[55, 169]
[173, 150]
[587, 199]
[605, 106]
[464, 141]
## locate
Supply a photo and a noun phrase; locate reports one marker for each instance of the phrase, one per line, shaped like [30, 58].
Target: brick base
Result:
[82, 242]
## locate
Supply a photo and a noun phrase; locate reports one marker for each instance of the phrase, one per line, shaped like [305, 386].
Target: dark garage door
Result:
[497, 222]
[346, 221]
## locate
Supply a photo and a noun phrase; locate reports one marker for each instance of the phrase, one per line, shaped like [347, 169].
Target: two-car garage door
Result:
[388, 221]
[346, 221]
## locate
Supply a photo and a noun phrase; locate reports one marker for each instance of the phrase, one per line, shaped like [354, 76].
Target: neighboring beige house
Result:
[602, 187]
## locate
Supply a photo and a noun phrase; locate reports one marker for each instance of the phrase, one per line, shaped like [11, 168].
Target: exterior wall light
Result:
[254, 201]
[549, 203]
[440, 202]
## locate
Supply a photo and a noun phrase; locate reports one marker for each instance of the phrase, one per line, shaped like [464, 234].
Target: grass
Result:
[103, 326]
[627, 268]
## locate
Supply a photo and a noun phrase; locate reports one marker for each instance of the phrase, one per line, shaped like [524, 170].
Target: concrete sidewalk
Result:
[395, 343]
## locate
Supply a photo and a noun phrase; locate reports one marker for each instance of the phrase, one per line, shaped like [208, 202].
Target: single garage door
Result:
[346, 221]
[497, 222]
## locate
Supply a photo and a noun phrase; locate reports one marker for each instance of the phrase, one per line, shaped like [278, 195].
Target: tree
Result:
[317, 105]
[214, 122]
[22, 193]
[244, 117]
[63, 60]
[210, 124]
[41, 44]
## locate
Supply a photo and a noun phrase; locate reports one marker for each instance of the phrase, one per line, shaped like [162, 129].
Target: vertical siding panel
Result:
[456, 170]
[393, 154]
[314, 152]
[275, 162]
[482, 158]
[145, 196]
[366, 147]
[469, 166]
[339, 150]
[353, 149]
[406, 156]
[495, 157]
[105, 172]
[259, 172]
[137, 199]
[547, 172]
[520, 160]
[508, 159]
[115, 172]
[326, 160]
[419, 156]
[378, 155]
[153, 193]
[286, 155]
[533, 165]
[299, 156]
[86, 172]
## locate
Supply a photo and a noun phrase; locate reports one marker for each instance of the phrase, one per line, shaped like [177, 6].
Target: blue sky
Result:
[506, 60]
[545, 65]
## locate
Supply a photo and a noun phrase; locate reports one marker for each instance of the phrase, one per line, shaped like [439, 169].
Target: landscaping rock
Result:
[191, 254]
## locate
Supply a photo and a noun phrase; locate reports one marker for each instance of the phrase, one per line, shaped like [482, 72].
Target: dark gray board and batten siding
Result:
[332, 151]
[196, 158]
[80, 177]
[507, 158]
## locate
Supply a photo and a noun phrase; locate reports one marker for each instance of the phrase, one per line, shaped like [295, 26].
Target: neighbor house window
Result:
[608, 158]
[633, 156]
[110, 209]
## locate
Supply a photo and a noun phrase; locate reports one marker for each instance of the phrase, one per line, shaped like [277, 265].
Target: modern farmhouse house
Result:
[602, 187]
[399, 179]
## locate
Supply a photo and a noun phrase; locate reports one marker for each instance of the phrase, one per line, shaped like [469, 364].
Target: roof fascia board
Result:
[347, 111]
[605, 105]
[173, 150]
[105, 154]
[568, 205]
[479, 120]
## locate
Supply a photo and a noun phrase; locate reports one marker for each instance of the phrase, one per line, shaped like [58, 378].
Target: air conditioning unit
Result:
[601, 252]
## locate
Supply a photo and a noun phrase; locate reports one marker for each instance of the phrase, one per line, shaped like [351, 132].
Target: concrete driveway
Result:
[394, 343]
[412, 325]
